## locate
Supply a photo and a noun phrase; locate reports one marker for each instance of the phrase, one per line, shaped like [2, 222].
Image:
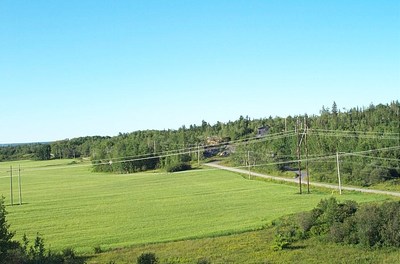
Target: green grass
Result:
[250, 247]
[73, 207]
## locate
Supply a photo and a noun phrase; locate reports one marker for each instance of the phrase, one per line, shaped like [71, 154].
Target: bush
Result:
[203, 261]
[369, 221]
[370, 225]
[280, 242]
[306, 220]
[337, 233]
[68, 254]
[345, 232]
[390, 230]
[287, 232]
[365, 176]
[350, 230]
[147, 258]
[178, 167]
[378, 175]
[97, 250]
[330, 209]
[346, 209]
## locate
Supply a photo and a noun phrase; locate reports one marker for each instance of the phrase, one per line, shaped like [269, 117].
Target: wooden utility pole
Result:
[305, 142]
[198, 155]
[398, 126]
[19, 185]
[285, 125]
[248, 162]
[338, 172]
[11, 186]
[299, 153]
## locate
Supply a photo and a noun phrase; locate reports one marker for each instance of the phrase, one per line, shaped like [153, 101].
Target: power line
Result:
[379, 158]
[323, 157]
[355, 132]
[143, 157]
[328, 134]
[203, 147]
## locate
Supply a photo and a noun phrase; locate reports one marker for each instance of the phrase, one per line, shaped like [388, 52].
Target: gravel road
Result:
[317, 184]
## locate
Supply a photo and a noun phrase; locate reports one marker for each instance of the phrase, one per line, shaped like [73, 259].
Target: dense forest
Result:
[366, 138]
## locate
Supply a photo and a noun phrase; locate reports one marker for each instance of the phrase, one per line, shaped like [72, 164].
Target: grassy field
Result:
[73, 207]
[250, 247]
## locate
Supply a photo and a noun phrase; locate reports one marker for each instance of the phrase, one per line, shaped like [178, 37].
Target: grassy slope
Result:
[249, 247]
[72, 207]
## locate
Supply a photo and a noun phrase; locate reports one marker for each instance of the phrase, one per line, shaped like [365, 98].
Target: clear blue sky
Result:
[78, 68]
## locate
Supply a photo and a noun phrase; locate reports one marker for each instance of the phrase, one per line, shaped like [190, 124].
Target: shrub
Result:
[330, 209]
[350, 230]
[337, 232]
[346, 209]
[203, 261]
[365, 176]
[369, 221]
[378, 175]
[280, 242]
[306, 220]
[370, 225]
[390, 230]
[178, 167]
[147, 258]
[287, 232]
[345, 232]
[97, 250]
[36, 252]
[319, 230]
[68, 254]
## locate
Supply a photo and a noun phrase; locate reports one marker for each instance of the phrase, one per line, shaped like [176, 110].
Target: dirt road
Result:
[317, 184]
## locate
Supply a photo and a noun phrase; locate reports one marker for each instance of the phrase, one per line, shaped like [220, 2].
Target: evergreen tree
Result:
[6, 235]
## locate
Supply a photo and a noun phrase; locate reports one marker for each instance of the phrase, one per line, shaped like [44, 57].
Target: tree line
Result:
[333, 130]
[372, 134]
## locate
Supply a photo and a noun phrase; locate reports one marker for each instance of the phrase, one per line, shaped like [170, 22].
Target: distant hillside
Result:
[149, 144]
[19, 144]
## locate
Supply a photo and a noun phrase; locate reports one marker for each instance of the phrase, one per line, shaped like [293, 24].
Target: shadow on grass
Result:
[291, 247]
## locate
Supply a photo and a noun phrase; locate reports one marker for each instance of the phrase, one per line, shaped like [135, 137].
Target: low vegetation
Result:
[368, 225]
[250, 247]
[314, 236]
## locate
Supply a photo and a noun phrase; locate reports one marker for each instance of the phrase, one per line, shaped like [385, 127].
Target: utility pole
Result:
[299, 152]
[285, 125]
[248, 162]
[305, 142]
[19, 185]
[338, 172]
[11, 186]
[398, 127]
[198, 154]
